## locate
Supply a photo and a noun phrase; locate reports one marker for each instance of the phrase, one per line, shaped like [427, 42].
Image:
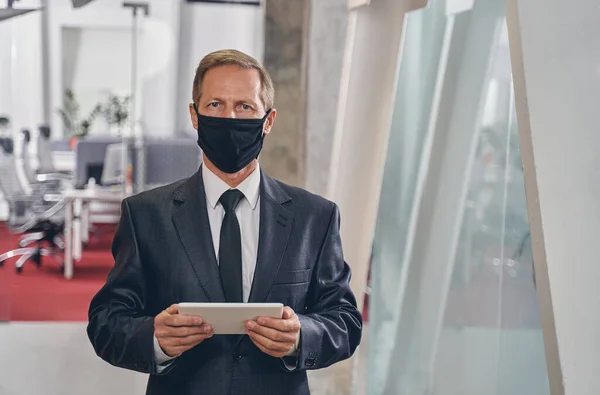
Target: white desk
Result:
[75, 200]
[64, 161]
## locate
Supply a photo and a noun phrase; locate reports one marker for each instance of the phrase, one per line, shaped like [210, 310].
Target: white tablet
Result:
[230, 318]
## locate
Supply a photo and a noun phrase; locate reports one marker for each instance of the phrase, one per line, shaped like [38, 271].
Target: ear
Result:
[270, 121]
[193, 116]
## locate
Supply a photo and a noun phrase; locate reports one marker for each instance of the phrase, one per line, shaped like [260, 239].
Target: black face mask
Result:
[230, 143]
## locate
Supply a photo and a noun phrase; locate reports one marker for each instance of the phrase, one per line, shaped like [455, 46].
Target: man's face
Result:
[232, 92]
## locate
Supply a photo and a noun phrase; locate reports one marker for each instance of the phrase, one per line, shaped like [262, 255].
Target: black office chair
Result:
[41, 220]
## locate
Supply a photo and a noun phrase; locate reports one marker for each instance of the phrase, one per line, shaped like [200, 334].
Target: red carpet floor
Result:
[42, 293]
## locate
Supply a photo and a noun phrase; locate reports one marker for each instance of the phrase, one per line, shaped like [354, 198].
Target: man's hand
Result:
[275, 337]
[178, 333]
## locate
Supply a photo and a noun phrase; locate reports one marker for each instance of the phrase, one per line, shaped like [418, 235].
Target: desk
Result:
[75, 200]
[64, 161]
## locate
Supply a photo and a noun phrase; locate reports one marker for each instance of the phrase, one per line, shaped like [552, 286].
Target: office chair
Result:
[30, 213]
[23, 159]
[46, 173]
[44, 152]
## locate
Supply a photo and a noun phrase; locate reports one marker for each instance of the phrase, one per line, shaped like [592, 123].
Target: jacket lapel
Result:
[275, 227]
[193, 228]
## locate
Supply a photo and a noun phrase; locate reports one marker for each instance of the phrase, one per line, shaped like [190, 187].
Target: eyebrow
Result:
[246, 100]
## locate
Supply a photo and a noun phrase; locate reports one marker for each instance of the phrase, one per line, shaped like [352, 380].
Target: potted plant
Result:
[116, 112]
[74, 127]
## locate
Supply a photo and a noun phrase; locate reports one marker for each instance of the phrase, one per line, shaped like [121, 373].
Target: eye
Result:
[246, 107]
[214, 104]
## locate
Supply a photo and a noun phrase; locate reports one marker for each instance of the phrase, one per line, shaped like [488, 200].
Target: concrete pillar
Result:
[304, 51]
[285, 57]
[326, 39]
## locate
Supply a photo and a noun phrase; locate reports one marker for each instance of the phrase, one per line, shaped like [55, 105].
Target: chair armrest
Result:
[53, 177]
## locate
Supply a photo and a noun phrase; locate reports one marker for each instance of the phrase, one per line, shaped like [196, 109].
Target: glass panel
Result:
[418, 70]
[490, 340]
[492, 318]
[522, 365]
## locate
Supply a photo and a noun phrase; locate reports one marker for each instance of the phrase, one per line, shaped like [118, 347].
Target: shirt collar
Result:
[214, 187]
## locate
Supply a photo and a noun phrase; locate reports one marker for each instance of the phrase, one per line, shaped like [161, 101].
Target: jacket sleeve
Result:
[331, 324]
[118, 330]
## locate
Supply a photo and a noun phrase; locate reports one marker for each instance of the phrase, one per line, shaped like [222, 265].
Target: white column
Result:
[367, 94]
[157, 65]
[555, 59]
[26, 87]
[366, 103]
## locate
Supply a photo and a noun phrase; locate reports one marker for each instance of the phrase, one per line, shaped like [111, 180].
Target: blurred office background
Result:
[457, 136]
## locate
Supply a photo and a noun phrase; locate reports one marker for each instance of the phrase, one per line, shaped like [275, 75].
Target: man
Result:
[227, 234]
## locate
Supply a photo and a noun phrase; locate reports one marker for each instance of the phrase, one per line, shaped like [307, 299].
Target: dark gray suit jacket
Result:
[164, 254]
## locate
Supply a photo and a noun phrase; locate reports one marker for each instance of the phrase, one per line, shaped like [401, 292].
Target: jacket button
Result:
[237, 356]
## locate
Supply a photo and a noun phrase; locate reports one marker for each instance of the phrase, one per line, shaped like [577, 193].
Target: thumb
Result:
[173, 309]
[287, 313]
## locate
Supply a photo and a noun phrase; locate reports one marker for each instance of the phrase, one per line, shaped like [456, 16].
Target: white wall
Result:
[21, 95]
[89, 67]
[167, 56]
[557, 83]
[21, 68]
[208, 27]
[157, 52]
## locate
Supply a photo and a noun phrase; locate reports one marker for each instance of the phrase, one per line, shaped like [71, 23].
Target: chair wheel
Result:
[37, 259]
[20, 269]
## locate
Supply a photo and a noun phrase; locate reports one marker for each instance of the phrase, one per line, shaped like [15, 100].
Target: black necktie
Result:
[230, 248]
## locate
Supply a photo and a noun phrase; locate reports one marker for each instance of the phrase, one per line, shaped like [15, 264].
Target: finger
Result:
[161, 319]
[195, 340]
[288, 313]
[178, 350]
[270, 344]
[177, 320]
[173, 309]
[272, 334]
[276, 354]
[189, 341]
[285, 325]
[176, 345]
[183, 331]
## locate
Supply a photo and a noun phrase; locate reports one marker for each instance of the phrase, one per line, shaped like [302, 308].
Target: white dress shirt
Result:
[248, 215]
